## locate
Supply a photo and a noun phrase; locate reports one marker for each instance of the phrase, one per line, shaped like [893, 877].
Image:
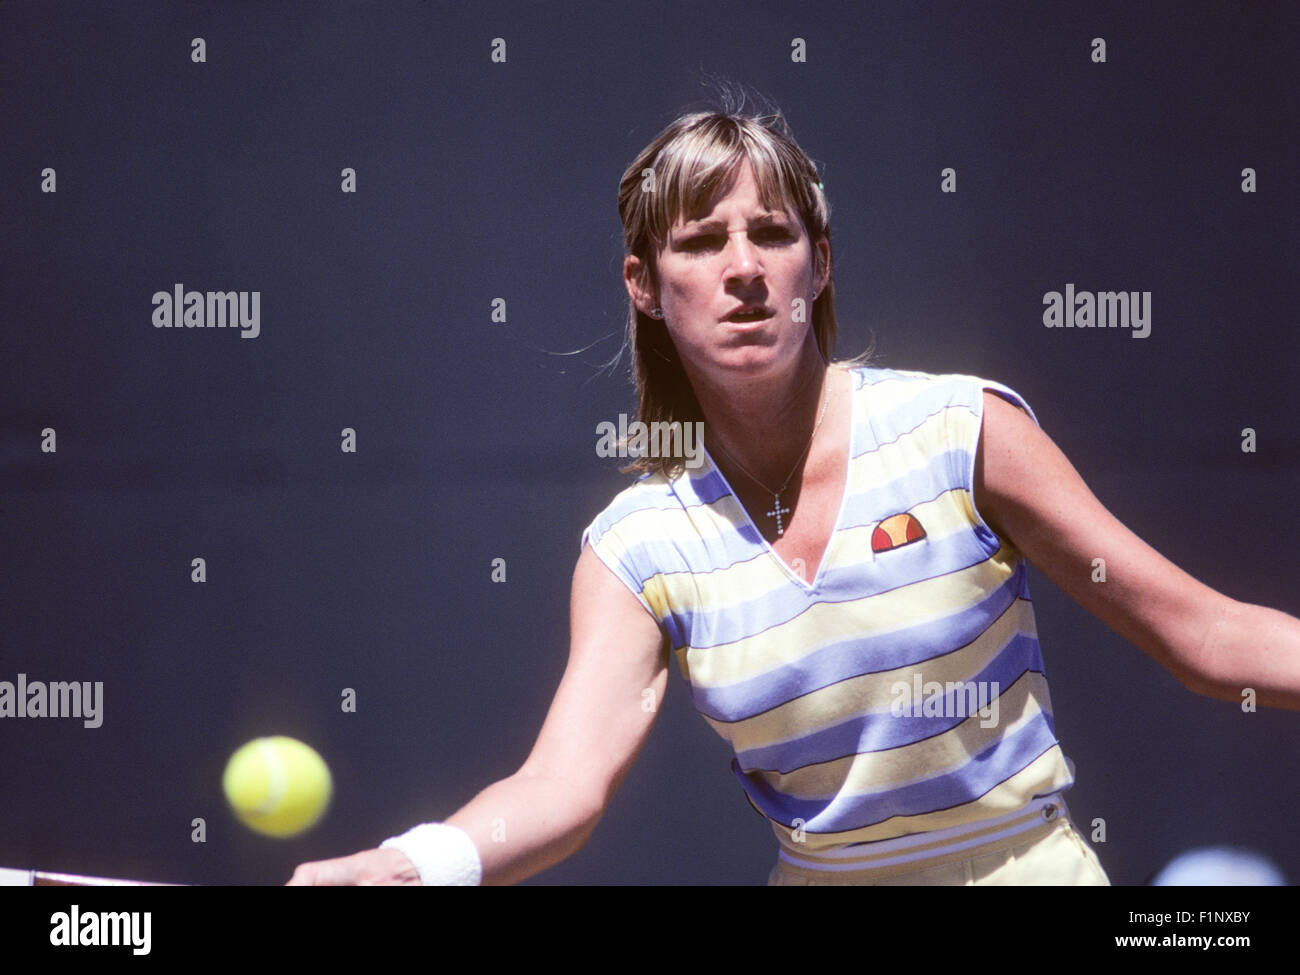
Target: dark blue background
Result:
[479, 180]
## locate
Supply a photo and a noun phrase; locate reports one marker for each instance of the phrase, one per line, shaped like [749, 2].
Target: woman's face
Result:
[730, 283]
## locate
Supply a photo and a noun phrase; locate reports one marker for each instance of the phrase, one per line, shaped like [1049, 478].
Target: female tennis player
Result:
[840, 574]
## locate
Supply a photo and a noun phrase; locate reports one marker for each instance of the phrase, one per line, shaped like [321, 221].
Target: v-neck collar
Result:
[839, 516]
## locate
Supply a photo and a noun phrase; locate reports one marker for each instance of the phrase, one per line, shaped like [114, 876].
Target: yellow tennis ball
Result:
[277, 786]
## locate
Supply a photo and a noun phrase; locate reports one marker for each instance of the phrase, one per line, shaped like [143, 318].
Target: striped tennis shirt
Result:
[895, 707]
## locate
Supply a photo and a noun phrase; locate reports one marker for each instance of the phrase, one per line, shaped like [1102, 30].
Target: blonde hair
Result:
[683, 171]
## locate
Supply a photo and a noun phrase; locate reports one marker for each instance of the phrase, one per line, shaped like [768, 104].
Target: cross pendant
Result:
[776, 512]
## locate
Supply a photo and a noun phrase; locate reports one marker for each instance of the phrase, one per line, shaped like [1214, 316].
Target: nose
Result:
[744, 265]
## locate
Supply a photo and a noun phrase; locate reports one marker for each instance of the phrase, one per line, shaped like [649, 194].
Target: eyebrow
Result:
[764, 218]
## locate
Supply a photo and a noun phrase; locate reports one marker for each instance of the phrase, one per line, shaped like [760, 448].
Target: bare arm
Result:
[593, 733]
[1030, 494]
[599, 720]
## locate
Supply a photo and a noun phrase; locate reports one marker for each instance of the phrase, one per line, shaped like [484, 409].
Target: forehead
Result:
[762, 203]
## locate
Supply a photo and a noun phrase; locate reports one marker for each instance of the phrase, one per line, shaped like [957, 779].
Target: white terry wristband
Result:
[444, 855]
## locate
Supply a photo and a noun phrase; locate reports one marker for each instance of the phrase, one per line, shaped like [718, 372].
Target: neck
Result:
[766, 425]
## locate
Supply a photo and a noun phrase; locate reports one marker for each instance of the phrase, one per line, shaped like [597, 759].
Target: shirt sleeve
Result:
[963, 420]
[621, 558]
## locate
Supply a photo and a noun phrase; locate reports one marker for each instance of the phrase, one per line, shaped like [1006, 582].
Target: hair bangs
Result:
[702, 166]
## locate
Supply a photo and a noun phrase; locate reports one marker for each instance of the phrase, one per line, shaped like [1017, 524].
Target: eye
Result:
[712, 241]
[701, 242]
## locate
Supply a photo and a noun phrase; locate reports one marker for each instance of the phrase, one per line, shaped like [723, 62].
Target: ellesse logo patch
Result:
[895, 532]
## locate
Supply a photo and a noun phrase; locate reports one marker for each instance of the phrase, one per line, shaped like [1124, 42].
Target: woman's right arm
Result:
[599, 720]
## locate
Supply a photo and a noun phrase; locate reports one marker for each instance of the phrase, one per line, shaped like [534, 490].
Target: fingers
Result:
[323, 873]
[340, 872]
[368, 868]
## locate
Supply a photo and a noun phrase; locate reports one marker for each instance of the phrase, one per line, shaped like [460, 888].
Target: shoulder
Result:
[635, 504]
[885, 389]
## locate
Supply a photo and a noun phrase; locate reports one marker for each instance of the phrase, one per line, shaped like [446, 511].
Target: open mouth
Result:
[752, 315]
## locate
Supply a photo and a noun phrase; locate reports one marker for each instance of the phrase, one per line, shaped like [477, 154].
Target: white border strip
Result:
[905, 843]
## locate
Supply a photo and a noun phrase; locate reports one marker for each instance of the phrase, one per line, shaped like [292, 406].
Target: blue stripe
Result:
[900, 420]
[920, 486]
[732, 546]
[881, 731]
[850, 812]
[702, 487]
[641, 496]
[876, 573]
[853, 656]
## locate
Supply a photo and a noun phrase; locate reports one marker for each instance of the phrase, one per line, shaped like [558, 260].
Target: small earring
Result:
[656, 313]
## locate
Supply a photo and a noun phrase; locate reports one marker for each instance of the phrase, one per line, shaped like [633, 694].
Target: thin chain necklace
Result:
[777, 511]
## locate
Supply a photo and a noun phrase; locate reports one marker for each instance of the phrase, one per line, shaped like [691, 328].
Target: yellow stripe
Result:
[874, 692]
[722, 589]
[826, 623]
[913, 451]
[1045, 774]
[872, 773]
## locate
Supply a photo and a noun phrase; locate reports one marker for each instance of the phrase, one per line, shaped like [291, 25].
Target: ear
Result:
[636, 276]
[822, 264]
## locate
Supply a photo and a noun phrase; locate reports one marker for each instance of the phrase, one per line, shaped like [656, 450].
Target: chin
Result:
[757, 360]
